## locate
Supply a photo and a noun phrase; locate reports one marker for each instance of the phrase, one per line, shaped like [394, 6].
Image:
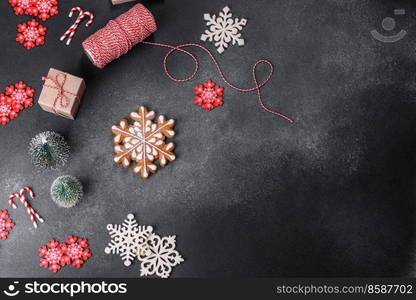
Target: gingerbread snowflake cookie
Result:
[144, 142]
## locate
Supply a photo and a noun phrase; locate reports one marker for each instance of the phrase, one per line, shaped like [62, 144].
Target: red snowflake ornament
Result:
[44, 9]
[52, 256]
[208, 95]
[7, 111]
[55, 255]
[31, 34]
[6, 224]
[21, 7]
[21, 95]
[76, 251]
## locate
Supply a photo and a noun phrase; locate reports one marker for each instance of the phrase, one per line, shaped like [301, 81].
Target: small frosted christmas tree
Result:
[48, 150]
[66, 191]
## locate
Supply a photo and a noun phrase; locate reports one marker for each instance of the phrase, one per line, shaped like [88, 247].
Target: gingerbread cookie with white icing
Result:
[144, 141]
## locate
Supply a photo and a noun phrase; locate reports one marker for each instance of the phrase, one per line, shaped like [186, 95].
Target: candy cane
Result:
[27, 189]
[81, 17]
[32, 195]
[10, 200]
[74, 26]
[30, 211]
[69, 34]
[91, 16]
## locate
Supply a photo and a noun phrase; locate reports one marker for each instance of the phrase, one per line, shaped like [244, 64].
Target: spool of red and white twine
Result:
[131, 28]
[29, 209]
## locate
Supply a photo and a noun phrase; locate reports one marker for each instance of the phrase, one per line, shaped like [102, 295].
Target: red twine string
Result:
[120, 35]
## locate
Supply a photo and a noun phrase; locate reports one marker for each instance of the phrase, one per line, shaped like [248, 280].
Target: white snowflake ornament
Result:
[127, 239]
[160, 256]
[223, 29]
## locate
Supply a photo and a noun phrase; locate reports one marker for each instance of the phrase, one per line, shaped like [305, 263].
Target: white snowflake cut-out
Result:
[127, 239]
[160, 257]
[223, 29]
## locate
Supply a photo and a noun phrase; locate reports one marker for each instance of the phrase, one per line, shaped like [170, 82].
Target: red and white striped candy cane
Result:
[32, 195]
[30, 211]
[74, 26]
[91, 16]
[81, 17]
[10, 200]
[69, 34]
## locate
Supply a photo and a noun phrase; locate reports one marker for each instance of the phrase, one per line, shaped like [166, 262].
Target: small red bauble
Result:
[31, 34]
[6, 224]
[208, 95]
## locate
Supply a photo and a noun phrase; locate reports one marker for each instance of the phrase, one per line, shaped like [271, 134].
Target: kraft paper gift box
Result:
[61, 93]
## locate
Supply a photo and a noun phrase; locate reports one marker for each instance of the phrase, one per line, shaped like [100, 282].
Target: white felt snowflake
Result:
[127, 239]
[160, 256]
[223, 29]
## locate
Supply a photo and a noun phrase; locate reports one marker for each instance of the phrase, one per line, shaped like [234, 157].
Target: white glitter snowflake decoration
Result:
[160, 257]
[127, 239]
[223, 29]
[157, 254]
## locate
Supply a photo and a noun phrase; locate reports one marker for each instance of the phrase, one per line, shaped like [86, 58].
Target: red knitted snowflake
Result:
[21, 7]
[7, 111]
[31, 34]
[208, 95]
[21, 95]
[6, 224]
[76, 251]
[44, 9]
[52, 256]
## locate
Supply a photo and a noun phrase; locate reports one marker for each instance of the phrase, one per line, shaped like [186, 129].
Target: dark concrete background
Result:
[249, 194]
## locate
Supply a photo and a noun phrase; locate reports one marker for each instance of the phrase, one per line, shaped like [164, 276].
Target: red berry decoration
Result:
[7, 111]
[52, 256]
[76, 251]
[6, 224]
[21, 95]
[44, 9]
[21, 7]
[31, 34]
[208, 95]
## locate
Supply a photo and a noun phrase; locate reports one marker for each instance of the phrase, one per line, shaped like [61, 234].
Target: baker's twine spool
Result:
[120, 35]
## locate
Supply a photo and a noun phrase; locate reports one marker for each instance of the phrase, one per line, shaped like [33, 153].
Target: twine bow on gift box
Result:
[58, 84]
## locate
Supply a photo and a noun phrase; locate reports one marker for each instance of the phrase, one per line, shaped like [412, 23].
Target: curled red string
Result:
[59, 86]
[132, 27]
